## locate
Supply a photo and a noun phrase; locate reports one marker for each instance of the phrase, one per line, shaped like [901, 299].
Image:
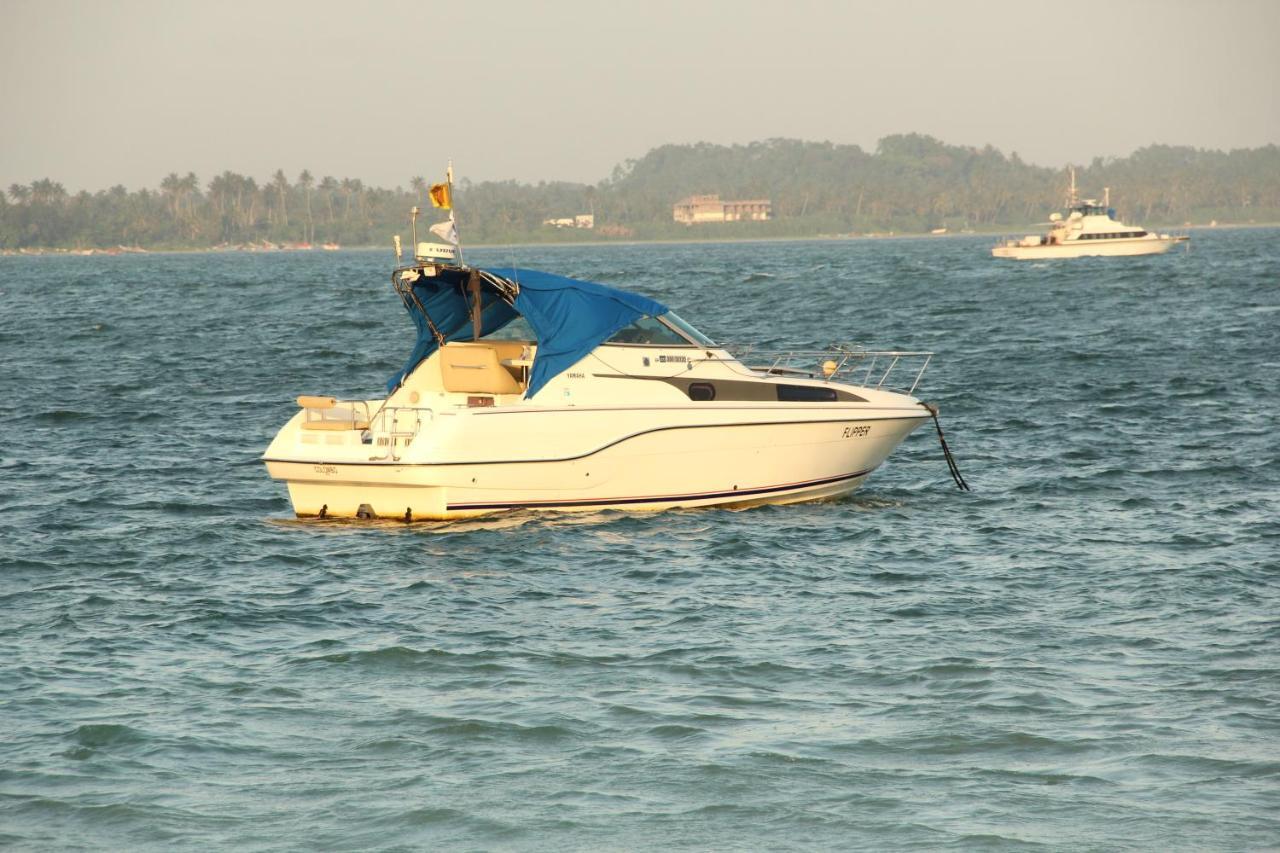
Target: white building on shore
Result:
[709, 208]
[582, 220]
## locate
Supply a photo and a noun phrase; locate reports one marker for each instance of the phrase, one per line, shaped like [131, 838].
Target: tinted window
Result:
[649, 331]
[702, 391]
[805, 394]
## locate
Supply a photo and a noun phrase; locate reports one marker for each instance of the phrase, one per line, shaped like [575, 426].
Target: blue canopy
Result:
[570, 317]
[445, 299]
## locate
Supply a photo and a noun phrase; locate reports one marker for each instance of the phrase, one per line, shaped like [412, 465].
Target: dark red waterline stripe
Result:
[661, 498]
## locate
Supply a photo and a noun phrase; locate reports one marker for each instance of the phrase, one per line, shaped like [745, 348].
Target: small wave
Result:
[995, 841]
[393, 655]
[395, 658]
[179, 508]
[485, 729]
[1013, 741]
[1203, 766]
[672, 731]
[1042, 777]
[98, 735]
[897, 577]
[59, 416]
[432, 816]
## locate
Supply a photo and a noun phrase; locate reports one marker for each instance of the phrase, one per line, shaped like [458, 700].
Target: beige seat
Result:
[476, 368]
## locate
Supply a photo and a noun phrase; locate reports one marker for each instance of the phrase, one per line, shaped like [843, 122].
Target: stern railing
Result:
[389, 428]
[396, 426]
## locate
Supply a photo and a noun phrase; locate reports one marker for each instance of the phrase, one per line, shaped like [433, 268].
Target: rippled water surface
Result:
[1080, 654]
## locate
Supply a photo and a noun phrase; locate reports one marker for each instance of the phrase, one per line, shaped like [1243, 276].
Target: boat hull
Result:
[802, 458]
[1088, 248]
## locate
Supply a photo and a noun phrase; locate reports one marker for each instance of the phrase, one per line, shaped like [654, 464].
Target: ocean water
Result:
[1083, 653]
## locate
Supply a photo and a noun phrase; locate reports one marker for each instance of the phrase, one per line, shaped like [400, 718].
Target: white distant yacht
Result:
[1089, 229]
[527, 390]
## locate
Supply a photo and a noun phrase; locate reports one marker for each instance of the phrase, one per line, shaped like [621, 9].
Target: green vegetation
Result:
[910, 184]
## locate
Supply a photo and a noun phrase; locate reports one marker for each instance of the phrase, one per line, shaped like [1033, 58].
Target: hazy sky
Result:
[99, 93]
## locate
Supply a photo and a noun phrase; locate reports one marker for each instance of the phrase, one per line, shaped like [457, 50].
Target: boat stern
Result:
[338, 461]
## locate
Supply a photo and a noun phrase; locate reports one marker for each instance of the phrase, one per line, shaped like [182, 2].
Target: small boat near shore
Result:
[1089, 229]
[528, 390]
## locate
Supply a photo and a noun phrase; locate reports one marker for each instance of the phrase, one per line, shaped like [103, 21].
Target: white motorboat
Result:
[527, 390]
[1090, 228]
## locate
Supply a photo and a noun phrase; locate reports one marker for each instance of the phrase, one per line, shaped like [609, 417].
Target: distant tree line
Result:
[910, 183]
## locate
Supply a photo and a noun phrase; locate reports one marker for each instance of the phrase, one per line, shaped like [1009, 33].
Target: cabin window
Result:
[648, 331]
[805, 394]
[702, 391]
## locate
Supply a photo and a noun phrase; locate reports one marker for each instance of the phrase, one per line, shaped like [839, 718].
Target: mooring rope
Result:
[946, 451]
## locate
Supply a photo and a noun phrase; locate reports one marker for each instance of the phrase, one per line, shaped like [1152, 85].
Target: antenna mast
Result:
[449, 177]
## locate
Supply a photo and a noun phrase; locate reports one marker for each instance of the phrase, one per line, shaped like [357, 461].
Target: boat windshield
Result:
[666, 330]
[689, 331]
[1087, 209]
[649, 331]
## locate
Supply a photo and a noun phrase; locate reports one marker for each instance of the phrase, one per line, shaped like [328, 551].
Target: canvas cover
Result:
[446, 301]
[570, 317]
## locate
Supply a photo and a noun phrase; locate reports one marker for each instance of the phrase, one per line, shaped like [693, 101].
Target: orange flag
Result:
[441, 196]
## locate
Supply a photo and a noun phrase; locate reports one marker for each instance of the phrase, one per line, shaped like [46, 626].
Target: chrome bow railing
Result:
[852, 365]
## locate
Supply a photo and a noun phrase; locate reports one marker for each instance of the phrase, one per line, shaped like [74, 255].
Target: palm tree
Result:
[348, 187]
[248, 187]
[357, 186]
[46, 191]
[171, 186]
[329, 186]
[281, 185]
[188, 188]
[306, 181]
[117, 197]
[219, 187]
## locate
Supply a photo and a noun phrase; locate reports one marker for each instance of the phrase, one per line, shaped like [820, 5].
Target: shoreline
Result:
[116, 251]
